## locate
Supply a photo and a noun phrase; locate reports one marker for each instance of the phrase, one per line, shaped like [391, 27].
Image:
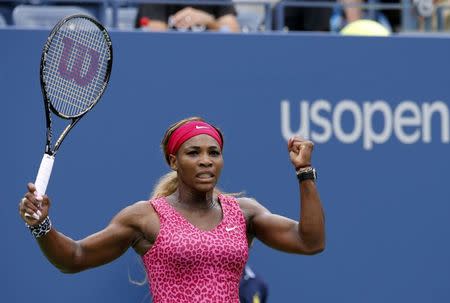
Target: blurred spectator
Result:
[304, 18]
[351, 10]
[393, 16]
[319, 18]
[252, 289]
[161, 17]
[445, 14]
[389, 18]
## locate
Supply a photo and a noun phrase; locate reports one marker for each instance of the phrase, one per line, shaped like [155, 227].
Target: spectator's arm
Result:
[226, 22]
[155, 26]
[189, 16]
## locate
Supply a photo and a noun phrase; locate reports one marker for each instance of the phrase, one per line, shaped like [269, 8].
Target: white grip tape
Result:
[43, 176]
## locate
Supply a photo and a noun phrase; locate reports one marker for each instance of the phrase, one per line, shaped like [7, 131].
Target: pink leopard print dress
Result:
[189, 265]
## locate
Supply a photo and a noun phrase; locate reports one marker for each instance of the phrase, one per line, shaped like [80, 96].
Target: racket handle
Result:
[44, 172]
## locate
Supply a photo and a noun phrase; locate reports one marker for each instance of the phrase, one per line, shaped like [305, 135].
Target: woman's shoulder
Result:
[139, 205]
[233, 196]
[246, 201]
[150, 203]
[250, 205]
[138, 210]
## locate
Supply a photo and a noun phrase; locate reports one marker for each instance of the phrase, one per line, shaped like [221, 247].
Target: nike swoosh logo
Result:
[230, 228]
[200, 127]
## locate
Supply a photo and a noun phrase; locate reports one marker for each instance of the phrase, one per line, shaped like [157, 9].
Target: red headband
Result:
[189, 130]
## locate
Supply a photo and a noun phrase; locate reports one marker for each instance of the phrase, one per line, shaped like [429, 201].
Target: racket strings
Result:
[76, 64]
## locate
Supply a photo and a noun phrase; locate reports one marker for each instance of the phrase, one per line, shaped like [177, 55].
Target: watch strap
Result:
[308, 173]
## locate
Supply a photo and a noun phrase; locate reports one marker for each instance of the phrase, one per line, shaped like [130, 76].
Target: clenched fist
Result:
[300, 151]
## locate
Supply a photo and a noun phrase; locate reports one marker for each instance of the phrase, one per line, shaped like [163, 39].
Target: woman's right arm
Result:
[71, 256]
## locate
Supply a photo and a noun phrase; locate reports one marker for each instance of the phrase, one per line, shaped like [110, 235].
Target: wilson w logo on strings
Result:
[78, 62]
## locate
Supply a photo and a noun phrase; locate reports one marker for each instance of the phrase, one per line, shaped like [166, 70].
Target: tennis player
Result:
[192, 238]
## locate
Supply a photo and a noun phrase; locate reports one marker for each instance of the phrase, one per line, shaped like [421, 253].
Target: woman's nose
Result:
[205, 160]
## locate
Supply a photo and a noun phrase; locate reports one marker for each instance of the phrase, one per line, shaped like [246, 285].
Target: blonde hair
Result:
[168, 184]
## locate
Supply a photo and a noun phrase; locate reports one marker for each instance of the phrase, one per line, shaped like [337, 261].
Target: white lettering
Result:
[352, 107]
[428, 110]
[373, 122]
[303, 130]
[370, 136]
[402, 120]
[321, 105]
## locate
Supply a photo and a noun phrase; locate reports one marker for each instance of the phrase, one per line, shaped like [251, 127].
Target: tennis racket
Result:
[75, 67]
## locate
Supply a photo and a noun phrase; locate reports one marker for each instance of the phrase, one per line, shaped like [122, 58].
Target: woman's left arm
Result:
[304, 237]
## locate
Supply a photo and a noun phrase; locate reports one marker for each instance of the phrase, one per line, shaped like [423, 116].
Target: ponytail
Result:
[166, 185]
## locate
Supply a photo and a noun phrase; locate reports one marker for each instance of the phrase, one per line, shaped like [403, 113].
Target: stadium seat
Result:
[125, 17]
[2, 21]
[6, 9]
[249, 21]
[250, 15]
[43, 15]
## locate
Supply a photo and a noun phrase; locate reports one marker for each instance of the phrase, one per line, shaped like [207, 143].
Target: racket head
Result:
[76, 65]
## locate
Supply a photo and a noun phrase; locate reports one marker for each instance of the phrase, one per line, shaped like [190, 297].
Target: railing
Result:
[409, 12]
[96, 7]
[266, 5]
[408, 9]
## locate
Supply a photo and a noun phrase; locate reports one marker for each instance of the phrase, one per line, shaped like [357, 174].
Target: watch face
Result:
[309, 174]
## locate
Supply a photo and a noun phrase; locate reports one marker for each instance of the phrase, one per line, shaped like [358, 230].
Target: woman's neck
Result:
[194, 200]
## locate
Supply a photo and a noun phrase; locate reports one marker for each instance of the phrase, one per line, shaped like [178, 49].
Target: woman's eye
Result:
[214, 153]
[192, 152]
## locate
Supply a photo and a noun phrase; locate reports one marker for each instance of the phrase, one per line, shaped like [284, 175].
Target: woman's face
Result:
[198, 162]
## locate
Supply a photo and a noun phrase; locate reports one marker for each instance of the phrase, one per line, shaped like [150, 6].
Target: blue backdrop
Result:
[376, 107]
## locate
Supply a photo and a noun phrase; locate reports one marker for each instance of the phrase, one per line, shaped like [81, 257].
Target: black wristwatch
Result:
[308, 173]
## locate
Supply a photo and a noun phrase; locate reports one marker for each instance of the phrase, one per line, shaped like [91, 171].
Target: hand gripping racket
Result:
[76, 64]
